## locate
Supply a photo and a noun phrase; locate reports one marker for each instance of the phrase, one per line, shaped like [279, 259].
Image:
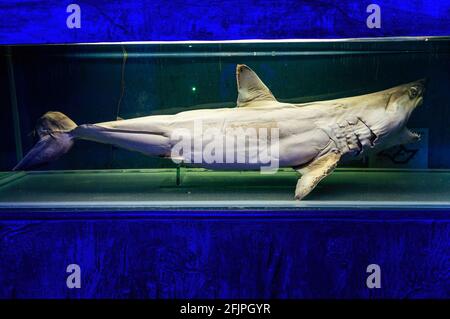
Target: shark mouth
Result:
[414, 135]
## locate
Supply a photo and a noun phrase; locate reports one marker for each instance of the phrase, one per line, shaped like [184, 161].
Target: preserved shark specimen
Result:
[312, 137]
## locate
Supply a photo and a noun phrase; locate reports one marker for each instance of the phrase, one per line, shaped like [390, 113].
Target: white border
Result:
[243, 41]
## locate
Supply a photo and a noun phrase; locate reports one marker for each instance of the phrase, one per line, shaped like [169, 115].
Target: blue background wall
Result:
[37, 21]
[225, 254]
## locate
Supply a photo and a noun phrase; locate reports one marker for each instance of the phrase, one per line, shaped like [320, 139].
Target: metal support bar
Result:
[14, 108]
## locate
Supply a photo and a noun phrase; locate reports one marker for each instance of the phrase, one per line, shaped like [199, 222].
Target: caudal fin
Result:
[55, 139]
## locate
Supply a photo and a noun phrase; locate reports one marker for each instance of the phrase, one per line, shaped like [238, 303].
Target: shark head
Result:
[403, 99]
[388, 111]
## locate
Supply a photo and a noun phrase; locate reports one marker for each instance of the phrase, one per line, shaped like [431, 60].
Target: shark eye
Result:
[413, 92]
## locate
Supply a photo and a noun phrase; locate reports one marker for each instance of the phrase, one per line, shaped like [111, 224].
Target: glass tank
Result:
[115, 82]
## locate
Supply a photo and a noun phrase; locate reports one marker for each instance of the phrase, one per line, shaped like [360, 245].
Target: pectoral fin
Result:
[314, 172]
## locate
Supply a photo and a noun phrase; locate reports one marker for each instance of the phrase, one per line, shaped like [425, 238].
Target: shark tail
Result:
[55, 139]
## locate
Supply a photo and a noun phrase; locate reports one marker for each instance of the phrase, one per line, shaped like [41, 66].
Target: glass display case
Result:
[97, 83]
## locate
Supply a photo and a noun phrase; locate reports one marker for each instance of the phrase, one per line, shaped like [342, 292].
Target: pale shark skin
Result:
[312, 136]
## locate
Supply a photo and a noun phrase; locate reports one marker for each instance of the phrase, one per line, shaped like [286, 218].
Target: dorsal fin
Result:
[250, 87]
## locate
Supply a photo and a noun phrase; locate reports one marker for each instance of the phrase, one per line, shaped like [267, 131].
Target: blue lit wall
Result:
[231, 254]
[34, 21]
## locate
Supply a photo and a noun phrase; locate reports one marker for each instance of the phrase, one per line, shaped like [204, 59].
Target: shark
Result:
[312, 137]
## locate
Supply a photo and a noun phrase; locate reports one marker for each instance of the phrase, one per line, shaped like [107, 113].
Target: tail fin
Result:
[55, 139]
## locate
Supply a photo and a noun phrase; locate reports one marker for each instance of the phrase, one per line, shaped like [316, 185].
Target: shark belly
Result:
[229, 138]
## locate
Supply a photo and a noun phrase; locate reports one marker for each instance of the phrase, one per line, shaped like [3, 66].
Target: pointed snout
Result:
[419, 88]
[418, 84]
[415, 90]
[421, 84]
[422, 81]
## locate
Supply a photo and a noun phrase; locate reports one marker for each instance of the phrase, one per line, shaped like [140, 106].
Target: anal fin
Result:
[314, 172]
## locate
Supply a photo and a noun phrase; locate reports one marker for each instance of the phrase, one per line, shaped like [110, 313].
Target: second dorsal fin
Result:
[250, 87]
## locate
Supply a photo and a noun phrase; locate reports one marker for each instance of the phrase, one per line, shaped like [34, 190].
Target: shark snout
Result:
[420, 85]
[422, 81]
